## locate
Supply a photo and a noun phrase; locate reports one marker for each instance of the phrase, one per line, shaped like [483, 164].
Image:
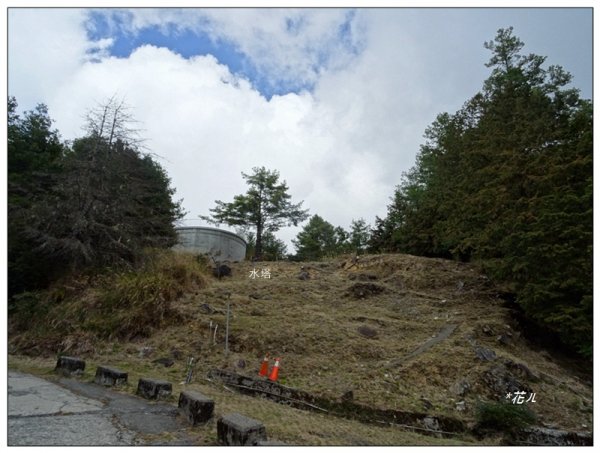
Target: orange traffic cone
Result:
[264, 368]
[274, 371]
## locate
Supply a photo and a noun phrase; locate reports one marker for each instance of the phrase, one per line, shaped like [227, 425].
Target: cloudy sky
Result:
[336, 100]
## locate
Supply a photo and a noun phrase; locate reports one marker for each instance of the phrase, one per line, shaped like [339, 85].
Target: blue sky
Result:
[336, 100]
[190, 42]
[187, 43]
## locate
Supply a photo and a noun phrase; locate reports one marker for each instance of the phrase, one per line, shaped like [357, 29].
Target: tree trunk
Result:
[258, 248]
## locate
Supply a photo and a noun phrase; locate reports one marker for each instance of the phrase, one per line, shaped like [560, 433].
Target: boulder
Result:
[485, 354]
[222, 271]
[460, 388]
[367, 331]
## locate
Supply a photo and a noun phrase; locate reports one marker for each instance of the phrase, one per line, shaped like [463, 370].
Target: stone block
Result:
[110, 376]
[196, 407]
[237, 429]
[153, 389]
[70, 365]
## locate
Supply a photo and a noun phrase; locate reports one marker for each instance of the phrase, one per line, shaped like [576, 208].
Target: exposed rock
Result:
[431, 423]
[461, 406]
[504, 339]
[471, 340]
[367, 331]
[222, 271]
[363, 290]
[304, 275]
[522, 370]
[348, 396]
[146, 351]
[502, 381]
[164, 361]
[487, 330]
[207, 309]
[554, 437]
[426, 403]
[485, 354]
[460, 388]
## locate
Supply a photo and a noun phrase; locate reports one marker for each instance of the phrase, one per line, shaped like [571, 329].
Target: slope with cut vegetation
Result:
[394, 332]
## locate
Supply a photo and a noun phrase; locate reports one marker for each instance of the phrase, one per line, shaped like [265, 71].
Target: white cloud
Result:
[290, 45]
[341, 148]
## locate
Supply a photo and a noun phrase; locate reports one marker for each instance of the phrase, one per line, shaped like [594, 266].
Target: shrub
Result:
[112, 304]
[503, 416]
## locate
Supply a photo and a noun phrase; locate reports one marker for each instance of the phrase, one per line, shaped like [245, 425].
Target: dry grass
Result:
[313, 326]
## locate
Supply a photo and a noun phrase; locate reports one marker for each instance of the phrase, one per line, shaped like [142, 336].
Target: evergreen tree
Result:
[359, 235]
[99, 202]
[507, 181]
[273, 249]
[34, 158]
[266, 207]
[319, 239]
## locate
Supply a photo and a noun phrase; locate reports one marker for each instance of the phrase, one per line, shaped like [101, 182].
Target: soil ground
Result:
[400, 332]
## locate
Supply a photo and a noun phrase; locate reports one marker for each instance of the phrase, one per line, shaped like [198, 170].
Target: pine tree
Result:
[266, 207]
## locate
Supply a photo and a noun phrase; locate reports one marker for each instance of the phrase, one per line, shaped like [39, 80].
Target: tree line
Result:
[506, 182]
[93, 203]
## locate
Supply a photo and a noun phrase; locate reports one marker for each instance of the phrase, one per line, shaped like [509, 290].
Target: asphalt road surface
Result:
[72, 412]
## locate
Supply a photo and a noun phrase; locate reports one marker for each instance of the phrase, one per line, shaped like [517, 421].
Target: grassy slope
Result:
[313, 326]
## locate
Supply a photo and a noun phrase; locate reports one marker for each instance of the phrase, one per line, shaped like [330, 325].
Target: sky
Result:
[336, 100]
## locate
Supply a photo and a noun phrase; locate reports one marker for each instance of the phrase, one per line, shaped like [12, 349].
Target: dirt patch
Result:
[364, 290]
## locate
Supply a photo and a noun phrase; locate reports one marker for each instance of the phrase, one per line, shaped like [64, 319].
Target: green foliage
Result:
[33, 167]
[114, 305]
[359, 236]
[319, 239]
[266, 206]
[504, 416]
[273, 249]
[507, 181]
[98, 202]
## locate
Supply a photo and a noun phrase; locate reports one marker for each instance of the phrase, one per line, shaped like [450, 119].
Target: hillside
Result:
[398, 331]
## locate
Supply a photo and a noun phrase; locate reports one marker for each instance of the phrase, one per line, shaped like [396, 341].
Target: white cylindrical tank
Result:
[220, 244]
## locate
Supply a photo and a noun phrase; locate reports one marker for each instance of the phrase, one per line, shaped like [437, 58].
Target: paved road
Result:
[79, 413]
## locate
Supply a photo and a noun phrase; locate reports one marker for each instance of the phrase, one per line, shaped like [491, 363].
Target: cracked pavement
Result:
[72, 412]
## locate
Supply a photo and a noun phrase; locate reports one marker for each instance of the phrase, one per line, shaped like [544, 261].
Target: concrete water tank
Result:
[220, 244]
